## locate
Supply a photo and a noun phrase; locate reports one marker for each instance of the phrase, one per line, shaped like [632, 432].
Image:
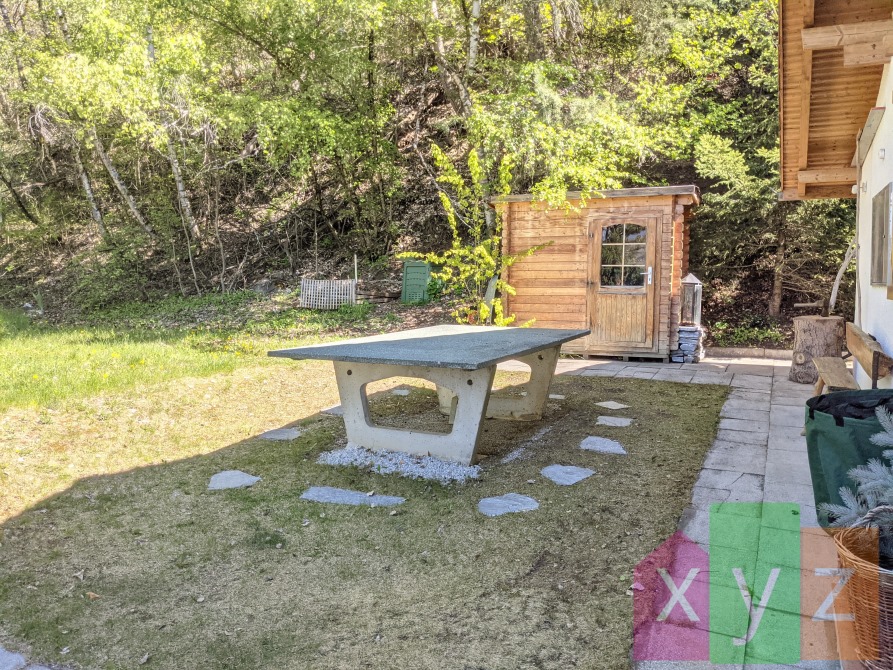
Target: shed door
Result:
[622, 283]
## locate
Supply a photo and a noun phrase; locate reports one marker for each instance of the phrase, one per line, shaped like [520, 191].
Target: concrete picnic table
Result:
[458, 359]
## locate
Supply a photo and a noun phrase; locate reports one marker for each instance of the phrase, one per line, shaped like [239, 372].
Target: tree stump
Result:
[814, 337]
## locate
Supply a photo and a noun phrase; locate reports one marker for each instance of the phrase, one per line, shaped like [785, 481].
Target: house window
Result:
[881, 216]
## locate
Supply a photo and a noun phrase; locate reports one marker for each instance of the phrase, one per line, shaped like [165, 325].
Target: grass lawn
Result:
[141, 344]
[112, 548]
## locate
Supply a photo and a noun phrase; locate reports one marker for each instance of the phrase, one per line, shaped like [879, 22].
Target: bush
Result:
[108, 275]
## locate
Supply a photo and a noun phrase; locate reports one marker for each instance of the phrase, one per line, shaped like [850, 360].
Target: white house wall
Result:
[874, 310]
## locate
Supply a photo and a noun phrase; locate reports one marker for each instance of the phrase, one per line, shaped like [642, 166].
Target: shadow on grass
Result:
[150, 562]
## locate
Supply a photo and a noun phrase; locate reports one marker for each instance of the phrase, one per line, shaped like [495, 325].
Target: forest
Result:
[160, 147]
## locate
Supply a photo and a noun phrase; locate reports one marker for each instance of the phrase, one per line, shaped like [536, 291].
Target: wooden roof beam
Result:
[805, 98]
[877, 52]
[827, 176]
[842, 35]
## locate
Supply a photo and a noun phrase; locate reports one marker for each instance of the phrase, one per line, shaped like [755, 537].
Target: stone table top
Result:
[460, 347]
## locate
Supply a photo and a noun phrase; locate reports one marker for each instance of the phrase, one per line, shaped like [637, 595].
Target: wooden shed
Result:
[614, 264]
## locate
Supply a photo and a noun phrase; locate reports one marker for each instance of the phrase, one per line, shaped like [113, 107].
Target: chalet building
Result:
[836, 83]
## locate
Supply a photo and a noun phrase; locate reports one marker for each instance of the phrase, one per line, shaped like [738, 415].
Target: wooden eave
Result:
[692, 192]
[831, 58]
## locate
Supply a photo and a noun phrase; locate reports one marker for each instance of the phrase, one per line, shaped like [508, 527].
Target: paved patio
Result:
[758, 455]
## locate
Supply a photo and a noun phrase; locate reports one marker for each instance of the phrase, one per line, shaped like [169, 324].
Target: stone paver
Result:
[611, 404]
[507, 504]
[729, 460]
[11, 661]
[745, 425]
[334, 410]
[566, 475]
[741, 436]
[330, 494]
[758, 370]
[556, 396]
[231, 479]
[602, 445]
[282, 434]
[400, 392]
[618, 421]
[720, 378]
[733, 411]
[786, 415]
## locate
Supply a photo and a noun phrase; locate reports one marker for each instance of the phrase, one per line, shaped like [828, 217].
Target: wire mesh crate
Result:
[328, 293]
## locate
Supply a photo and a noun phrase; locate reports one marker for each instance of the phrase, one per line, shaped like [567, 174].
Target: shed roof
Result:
[645, 192]
[831, 58]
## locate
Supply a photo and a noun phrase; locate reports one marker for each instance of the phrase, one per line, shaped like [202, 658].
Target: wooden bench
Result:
[833, 373]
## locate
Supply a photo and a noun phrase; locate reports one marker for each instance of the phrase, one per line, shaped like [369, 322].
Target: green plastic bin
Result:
[839, 427]
[416, 275]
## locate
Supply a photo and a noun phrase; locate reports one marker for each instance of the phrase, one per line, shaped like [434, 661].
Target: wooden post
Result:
[814, 336]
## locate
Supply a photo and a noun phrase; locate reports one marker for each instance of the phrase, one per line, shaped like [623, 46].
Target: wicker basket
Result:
[870, 592]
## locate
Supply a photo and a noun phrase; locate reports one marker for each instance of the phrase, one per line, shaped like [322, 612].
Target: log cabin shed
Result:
[614, 264]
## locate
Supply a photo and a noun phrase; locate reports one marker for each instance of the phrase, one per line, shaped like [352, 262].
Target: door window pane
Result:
[612, 234]
[635, 233]
[634, 276]
[624, 255]
[634, 254]
[612, 254]
[612, 275]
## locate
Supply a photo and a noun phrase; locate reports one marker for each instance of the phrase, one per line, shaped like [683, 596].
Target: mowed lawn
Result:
[114, 555]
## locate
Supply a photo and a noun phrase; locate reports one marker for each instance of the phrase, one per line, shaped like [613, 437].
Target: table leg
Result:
[471, 387]
[530, 407]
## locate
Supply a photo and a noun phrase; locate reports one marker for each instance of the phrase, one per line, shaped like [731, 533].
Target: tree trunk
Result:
[814, 337]
[847, 259]
[533, 28]
[10, 28]
[18, 200]
[474, 34]
[778, 274]
[120, 185]
[182, 195]
[95, 214]
[556, 24]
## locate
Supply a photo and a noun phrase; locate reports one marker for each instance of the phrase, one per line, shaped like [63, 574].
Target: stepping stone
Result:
[610, 404]
[282, 434]
[620, 421]
[403, 392]
[230, 479]
[334, 410]
[329, 494]
[510, 502]
[555, 396]
[566, 475]
[10, 661]
[602, 445]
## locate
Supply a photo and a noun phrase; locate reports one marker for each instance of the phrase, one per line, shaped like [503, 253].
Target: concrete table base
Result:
[467, 393]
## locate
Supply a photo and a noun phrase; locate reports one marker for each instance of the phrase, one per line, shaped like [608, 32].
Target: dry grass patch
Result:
[240, 579]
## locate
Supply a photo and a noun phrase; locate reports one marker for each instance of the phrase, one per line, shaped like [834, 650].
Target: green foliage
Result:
[474, 259]
[756, 330]
[107, 276]
[13, 323]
